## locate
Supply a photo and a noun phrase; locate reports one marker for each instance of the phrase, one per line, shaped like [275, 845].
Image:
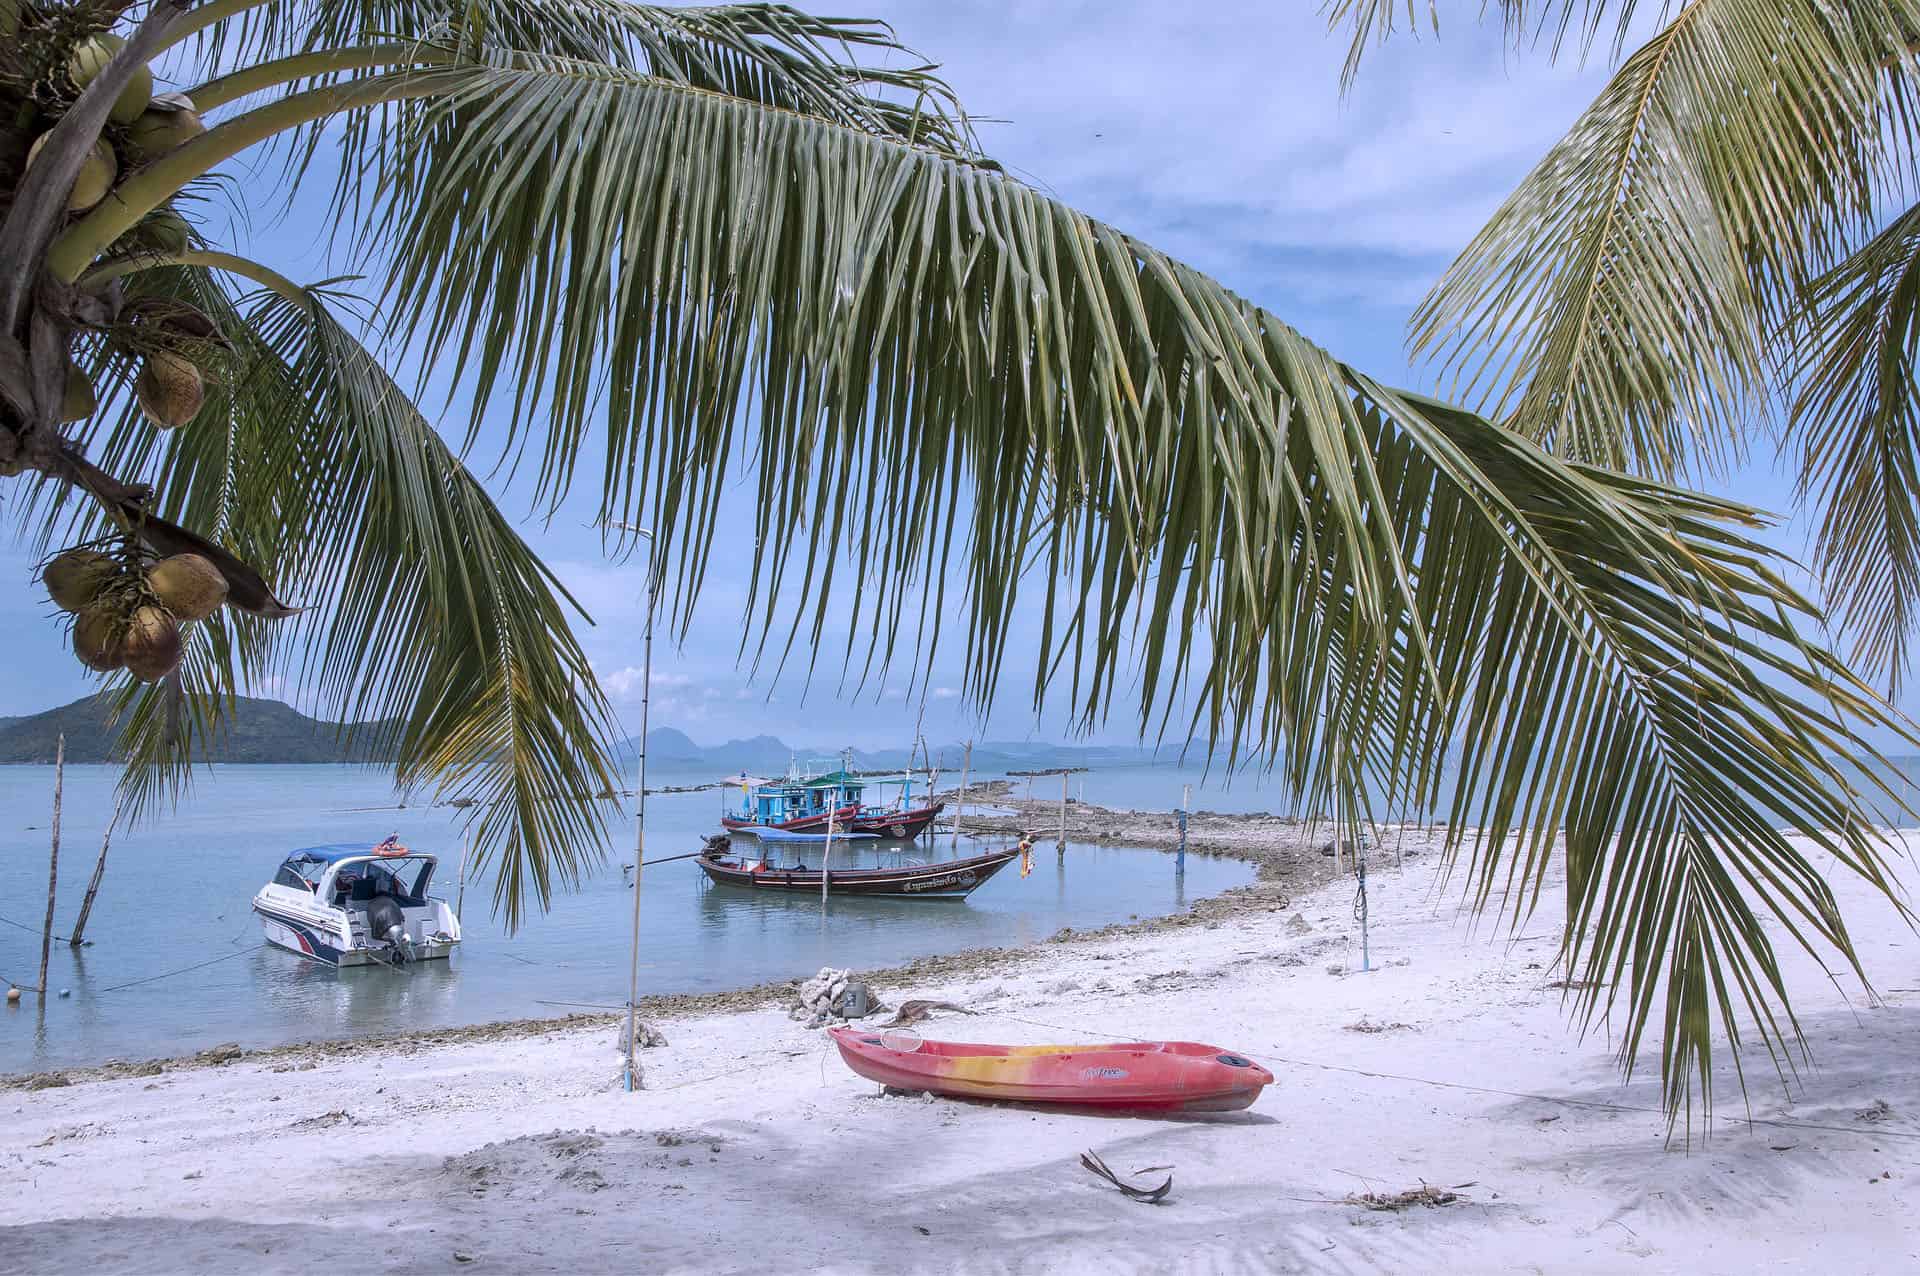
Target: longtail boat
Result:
[944, 879]
[1131, 1076]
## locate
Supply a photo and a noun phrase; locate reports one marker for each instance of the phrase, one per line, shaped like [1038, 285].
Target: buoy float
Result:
[13, 996]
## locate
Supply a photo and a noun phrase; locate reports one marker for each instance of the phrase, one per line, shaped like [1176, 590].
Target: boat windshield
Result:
[403, 879]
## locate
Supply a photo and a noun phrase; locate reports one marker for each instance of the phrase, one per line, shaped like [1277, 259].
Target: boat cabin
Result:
[342, 876]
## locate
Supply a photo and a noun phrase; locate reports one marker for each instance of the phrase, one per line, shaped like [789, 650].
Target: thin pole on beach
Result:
[632, 1078]
[53, 861]
[93, 886]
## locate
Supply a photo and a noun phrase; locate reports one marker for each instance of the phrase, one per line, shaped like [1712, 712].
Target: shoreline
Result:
[1437, 1112]
[1281, 869]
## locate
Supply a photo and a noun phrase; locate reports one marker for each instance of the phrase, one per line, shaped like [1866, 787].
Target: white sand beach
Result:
[755, 1149]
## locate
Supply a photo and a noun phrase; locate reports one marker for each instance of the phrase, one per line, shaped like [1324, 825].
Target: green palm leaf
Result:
[1618, 306]
[949, 382]
[1856, 427]
[442, 639]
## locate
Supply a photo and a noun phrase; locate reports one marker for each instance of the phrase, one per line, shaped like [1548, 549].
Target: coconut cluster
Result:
[142, 127]
[128, 608]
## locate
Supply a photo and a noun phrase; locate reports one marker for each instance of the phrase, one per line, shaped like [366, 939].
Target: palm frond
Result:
[1618, 306]
[1560, 25]
[436, 635]
[1856, 430]
[851, 71]
[1310, 561]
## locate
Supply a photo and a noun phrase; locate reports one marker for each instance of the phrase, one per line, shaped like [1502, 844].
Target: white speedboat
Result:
[356, 905]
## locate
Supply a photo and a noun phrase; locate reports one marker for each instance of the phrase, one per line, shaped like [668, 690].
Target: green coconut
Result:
[98, 639]
[170, 389]
[161, 128]
[188, 586]
[74, 579]
[152, 645]
[91, 58]
[97, 172]
[78, 402]
[163, 231]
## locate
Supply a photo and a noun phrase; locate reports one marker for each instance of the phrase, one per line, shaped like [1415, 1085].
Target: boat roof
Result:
[836, 778]
[335, 851]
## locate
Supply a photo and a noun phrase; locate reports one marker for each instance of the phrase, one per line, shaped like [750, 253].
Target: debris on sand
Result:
[1878, 1110]
[1426, 1194]
[1145, 1195]
[1364, 1024]
[914, 1011]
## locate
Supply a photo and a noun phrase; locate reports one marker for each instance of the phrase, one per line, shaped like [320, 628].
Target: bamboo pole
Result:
[1061, 846]
[53, 861]
[826, 856]
[93, 886]
[960, 800]
[460, 899]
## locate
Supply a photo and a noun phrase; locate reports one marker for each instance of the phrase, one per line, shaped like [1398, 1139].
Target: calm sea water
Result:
[177, 893]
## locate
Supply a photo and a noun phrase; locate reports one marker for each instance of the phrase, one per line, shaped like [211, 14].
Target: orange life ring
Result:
[391, 849]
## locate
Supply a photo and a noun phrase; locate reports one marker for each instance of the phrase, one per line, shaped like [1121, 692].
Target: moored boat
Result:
[791, 805]
[356, 905]
[1133, 1076]
[943, 879]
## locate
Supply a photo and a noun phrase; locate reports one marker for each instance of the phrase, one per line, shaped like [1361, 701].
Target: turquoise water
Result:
[177, 893]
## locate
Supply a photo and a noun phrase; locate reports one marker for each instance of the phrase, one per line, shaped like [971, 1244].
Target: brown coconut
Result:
[152, 644]
[188, 586]
[170, 388]
[75, 577]
[97, 172]
[98, 639]
[78, 402]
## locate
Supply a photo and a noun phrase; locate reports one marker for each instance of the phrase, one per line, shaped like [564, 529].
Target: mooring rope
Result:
[131, 983]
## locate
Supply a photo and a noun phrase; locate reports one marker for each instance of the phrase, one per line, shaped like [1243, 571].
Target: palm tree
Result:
[1720, 232]
[674, 232]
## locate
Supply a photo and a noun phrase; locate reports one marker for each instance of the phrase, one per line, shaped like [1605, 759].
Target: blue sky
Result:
[1217, 132]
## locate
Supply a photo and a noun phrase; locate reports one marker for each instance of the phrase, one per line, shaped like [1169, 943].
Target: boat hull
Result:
[949, 879]
[323, 943]
[1135, 1076]
[842, 819]
[903, 825]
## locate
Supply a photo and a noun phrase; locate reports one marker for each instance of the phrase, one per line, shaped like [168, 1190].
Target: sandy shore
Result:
[754, 1149]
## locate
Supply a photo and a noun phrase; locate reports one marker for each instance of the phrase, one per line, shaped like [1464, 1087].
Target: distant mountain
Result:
[257, 731]
[770, 755]
[269, 731]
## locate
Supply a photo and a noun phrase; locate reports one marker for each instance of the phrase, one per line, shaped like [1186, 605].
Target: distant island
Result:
[269, 731]
[257, 731]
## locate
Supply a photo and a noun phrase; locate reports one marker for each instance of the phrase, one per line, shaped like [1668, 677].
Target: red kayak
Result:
[1133, 1076]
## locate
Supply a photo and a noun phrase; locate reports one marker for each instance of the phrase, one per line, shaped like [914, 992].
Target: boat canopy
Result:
[334, 852]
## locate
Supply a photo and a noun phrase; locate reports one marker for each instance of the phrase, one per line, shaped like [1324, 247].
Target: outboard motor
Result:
[386, 921]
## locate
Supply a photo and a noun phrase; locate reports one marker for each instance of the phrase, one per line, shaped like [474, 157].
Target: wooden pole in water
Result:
[1061, 846]
[960, 800]
[93, 886]
[53, 861]
[826, 856]
[466, 850]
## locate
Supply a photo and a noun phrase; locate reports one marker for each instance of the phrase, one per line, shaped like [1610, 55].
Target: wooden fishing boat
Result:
[1133, 1076]
[944, 879]
[895, 823]
[809, 822]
